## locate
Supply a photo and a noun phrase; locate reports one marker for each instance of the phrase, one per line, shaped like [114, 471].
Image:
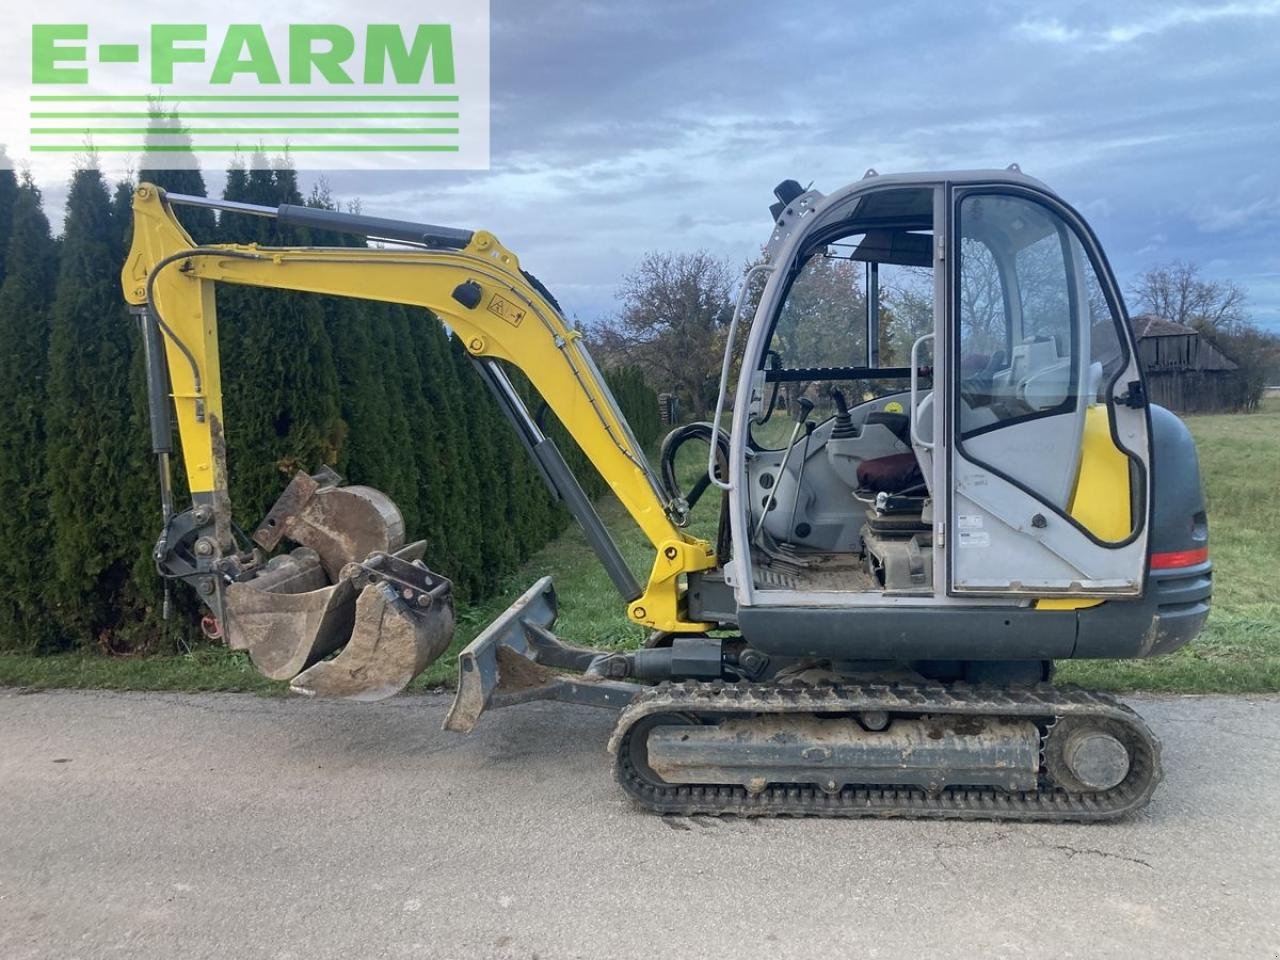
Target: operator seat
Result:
[896, 473]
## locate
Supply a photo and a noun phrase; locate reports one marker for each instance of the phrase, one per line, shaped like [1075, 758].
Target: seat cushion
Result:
[891, 474]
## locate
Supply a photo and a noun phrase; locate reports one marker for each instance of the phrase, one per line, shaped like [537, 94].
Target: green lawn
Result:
[1238, 652]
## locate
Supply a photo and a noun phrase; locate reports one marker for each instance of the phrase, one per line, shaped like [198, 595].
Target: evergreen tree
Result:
[448, 461]
[278, 375]
[374, 429]
[481, 422]
[8, 199]
[408, 420]
[176, 171]
[25, 297]
[638, 402]
[91, 428]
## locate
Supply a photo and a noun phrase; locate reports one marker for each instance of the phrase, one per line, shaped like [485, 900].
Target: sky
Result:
[623, 127]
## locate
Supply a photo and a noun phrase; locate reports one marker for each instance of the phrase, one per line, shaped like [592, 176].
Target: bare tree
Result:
[1177, 292]
[675, 307]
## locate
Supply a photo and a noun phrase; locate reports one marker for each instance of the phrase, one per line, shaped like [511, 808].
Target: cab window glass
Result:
[1105, 347]
[1019, 336]
[823, 320]
[823, 323]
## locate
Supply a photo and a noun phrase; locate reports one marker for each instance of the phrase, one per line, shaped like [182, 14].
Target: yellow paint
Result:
[658, 607]
[516, 325]
[1101, 498]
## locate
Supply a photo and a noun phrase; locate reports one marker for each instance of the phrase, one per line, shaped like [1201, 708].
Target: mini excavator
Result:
[941, 475]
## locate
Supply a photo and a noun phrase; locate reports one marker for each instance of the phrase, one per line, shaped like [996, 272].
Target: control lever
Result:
[804, 406]
[809, 427]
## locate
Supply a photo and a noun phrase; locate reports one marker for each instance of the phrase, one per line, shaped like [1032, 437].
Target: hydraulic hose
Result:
[671, 445]
[153, 310]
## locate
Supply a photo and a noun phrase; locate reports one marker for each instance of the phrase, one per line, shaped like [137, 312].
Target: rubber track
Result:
[1045, 704]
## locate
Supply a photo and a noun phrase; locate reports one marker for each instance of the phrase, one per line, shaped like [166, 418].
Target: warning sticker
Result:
[974, 538]
[507, 310]
[969, 521]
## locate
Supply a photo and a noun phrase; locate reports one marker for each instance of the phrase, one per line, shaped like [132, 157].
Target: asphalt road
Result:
[136, 825]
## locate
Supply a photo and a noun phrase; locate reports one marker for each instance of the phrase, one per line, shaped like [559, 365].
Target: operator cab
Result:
[924, 424]
[840, 496]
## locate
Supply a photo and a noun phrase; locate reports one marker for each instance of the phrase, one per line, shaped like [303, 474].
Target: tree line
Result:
[381, 393]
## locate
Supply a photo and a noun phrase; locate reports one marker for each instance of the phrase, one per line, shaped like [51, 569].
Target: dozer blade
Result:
[403, 622]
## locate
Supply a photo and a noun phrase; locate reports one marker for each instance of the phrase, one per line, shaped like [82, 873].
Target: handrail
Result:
[725, 367]
[915, 390]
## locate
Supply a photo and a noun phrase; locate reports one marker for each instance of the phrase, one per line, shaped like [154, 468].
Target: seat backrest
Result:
[899, 423]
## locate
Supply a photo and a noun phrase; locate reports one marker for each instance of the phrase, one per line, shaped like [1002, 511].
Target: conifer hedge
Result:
[379, 392]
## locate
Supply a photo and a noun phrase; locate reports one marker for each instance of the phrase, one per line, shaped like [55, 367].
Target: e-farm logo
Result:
[380, 93]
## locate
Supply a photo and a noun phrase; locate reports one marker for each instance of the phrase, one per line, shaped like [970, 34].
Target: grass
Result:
[1239, 651]
[205, 668]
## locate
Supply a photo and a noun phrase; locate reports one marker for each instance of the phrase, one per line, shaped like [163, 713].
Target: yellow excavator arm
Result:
[470, 282]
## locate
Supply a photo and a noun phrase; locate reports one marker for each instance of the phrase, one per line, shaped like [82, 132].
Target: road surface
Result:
[163, 825]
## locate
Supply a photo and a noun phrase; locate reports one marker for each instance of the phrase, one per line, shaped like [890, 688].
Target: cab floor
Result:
[819, 572]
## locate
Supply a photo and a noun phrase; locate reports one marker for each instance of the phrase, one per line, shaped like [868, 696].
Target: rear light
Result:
[1179, 558]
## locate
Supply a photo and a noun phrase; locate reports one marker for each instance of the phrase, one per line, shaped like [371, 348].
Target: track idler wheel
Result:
[1087, 755]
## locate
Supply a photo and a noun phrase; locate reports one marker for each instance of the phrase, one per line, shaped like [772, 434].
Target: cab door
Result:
[1049, 451]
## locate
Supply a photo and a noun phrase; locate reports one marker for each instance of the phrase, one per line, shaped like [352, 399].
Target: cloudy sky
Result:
[620, 127]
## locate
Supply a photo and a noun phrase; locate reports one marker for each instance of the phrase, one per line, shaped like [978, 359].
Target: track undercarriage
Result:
[812, 745]
[885, 750]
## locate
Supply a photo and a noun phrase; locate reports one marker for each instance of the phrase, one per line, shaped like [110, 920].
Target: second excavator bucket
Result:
[350, 585]
[403, 622]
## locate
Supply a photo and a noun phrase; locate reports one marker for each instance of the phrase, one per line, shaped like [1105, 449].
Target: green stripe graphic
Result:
[246, 98]
[242, 115]
[232, 148]
[221, 131]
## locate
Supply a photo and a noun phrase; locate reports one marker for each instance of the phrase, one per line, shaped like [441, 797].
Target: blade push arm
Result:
[475, 286]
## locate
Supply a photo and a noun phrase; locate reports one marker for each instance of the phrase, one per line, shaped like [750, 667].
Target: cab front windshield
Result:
[850, 316]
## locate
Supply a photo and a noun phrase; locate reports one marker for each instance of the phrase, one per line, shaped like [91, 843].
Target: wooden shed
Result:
[1185, 372]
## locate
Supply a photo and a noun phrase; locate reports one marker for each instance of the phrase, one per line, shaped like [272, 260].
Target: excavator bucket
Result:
[351, 585]
[289, 616]
[403, 623]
